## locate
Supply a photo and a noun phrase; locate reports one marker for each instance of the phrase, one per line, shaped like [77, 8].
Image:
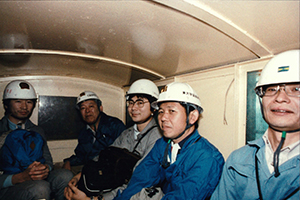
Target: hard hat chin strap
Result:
[276, 154]
[188, 125]
[165, 163]
[277, 151]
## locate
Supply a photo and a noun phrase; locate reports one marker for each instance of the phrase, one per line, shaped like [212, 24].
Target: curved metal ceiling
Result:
[120, 41]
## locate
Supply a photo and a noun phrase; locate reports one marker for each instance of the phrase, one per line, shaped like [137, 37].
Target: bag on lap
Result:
[20, 149]
[113, 169]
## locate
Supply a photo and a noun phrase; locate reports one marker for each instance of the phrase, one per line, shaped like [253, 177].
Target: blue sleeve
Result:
[80, 152]
[5, 180]
[226, 187]
[8, 181]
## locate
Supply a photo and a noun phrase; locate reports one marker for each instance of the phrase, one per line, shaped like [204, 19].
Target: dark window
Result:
[59, 117]
[255, 124]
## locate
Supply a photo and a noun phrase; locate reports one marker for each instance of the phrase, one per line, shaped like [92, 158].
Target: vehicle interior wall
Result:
[217, 95]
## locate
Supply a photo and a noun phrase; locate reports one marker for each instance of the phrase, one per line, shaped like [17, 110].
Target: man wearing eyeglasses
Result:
[268, 168]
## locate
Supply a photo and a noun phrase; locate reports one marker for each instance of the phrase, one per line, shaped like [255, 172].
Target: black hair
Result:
[149, 97]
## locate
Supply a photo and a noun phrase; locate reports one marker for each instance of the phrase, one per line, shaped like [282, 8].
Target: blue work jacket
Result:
[194, 174]
[238, 180]
[87, 148]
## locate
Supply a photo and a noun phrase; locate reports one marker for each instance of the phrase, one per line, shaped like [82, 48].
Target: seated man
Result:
[268, 168]
[101, 131]
[38, 180]
[139, 98]
[184, 164]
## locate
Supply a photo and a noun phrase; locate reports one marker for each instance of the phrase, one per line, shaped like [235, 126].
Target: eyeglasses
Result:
[292, 90]
[140, 103]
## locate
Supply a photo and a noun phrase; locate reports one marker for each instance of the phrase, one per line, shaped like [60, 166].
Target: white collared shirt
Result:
[135, 131]
[286, 153]
[94, 132]
[174, 151]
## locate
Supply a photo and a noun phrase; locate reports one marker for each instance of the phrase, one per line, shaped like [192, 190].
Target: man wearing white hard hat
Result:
[268, 168]
[139, 138]
[38, 180]
[183, 164]
[101, 131]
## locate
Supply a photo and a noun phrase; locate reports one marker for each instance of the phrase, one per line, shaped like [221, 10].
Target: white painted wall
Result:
[216, 91]
[112, 98]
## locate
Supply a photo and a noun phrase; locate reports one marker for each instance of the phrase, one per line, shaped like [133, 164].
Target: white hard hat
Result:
[19, 89]
[87, 95]
[143, 86]
[282, 68]
[178, 92]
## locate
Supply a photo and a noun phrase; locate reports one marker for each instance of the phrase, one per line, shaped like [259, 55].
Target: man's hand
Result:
[75, 179]
[35, 171]
[73, 193]
[39, 171]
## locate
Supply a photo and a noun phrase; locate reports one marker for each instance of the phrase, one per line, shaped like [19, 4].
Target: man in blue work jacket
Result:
[268, 168]
[101, 131]
[184, 164]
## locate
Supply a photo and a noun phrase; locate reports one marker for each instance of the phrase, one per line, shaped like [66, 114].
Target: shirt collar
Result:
[289, 147]
[135, 131]
[286, 153]
[14, 126]
[181, 143]
[89, 127]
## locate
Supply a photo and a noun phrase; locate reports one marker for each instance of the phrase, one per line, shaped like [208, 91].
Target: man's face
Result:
[139, 109]
[89, 111]
[20, 109]
[281, 111]
[172, 119]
